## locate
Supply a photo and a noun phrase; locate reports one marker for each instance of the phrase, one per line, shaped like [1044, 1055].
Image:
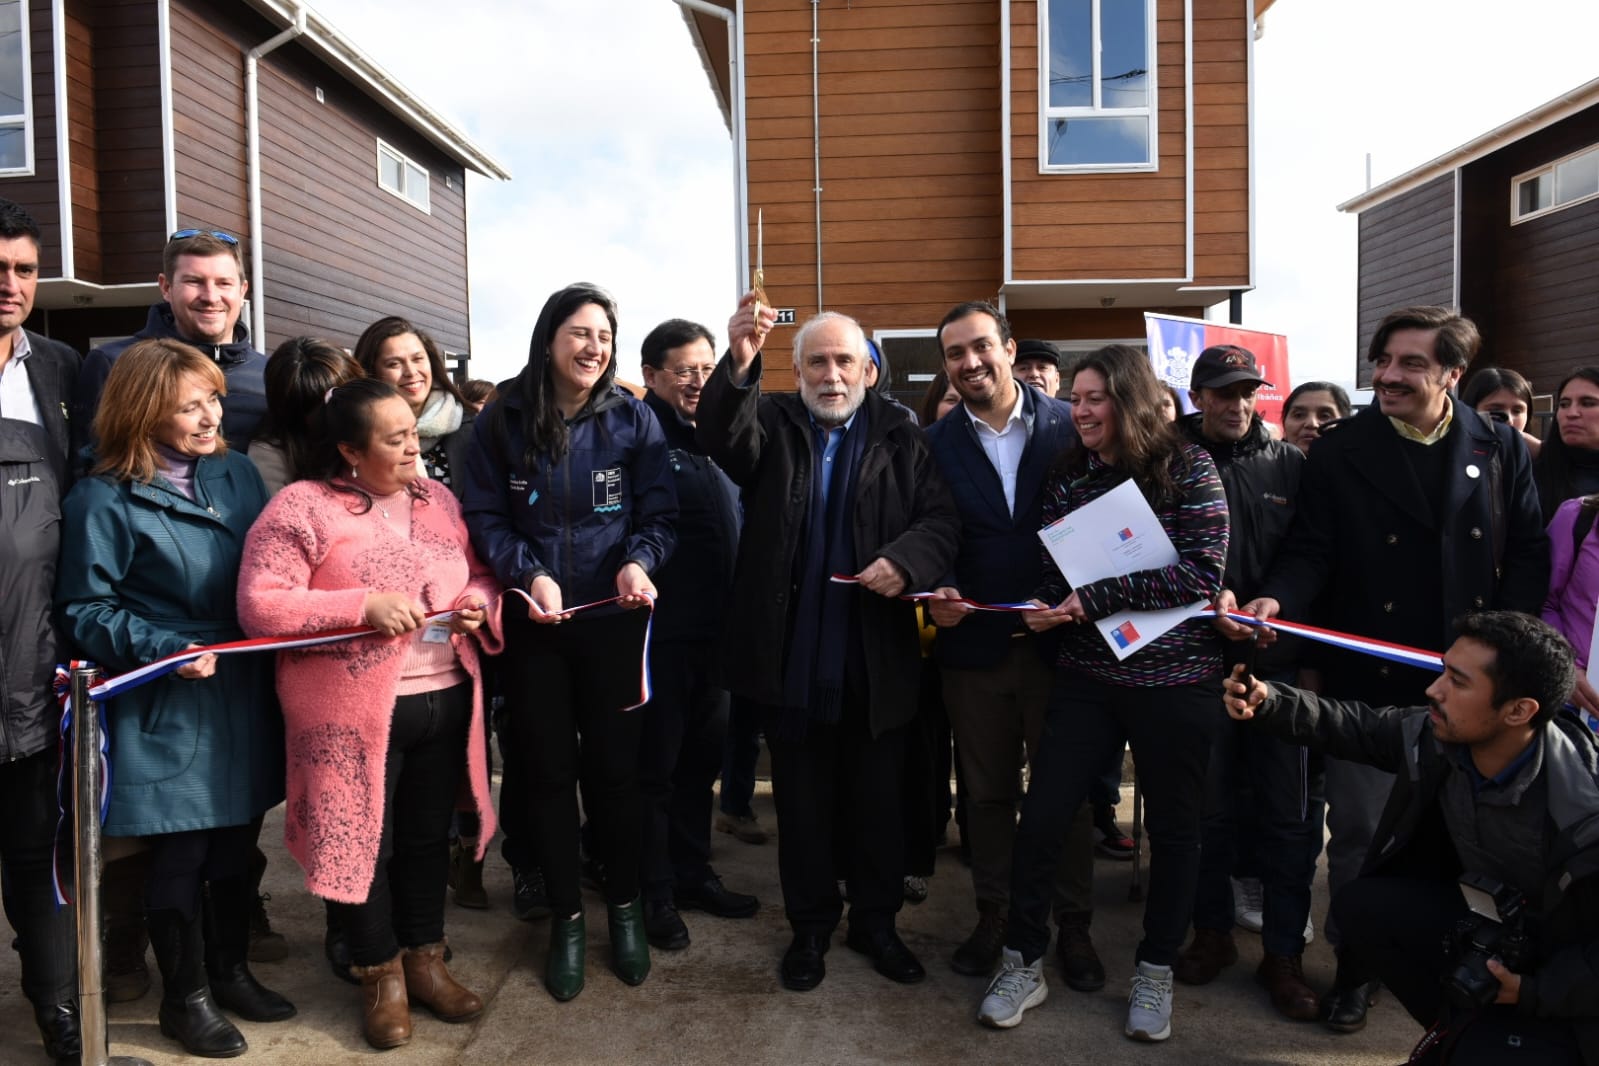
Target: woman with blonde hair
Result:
[149, 566]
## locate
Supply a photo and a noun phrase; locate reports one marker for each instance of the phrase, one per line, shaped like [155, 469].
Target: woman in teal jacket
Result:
[149, 566]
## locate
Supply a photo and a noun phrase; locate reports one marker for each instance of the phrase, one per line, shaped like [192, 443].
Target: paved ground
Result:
[720, 1002]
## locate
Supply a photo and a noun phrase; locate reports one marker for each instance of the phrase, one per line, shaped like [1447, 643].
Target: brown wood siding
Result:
[910, 140]
[1075, 226]
[1089, 324]
[1406, 257]
[1533, 287]
[39, 192]
[340, 251]
[132, 217]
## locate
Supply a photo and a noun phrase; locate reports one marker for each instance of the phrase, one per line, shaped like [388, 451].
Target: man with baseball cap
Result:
[1038, 364]
[1261, 478]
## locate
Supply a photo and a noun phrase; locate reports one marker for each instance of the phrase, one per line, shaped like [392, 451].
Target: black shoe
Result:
[58, 1028]
[227, 909]
[187, 1012]
[337, 949]
[1074, 951]
[663, 926]
[712, 897]
[1343, 1010]
[803, 964]
[196, 1023]
[979, 955]
[529, 898]
[890, 957]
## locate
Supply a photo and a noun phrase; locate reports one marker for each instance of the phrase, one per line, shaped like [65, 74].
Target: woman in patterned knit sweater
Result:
[1163, 698]
[381, 731]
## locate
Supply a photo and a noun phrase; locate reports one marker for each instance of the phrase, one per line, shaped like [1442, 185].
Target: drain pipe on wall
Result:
[816, 141]
[252, 106]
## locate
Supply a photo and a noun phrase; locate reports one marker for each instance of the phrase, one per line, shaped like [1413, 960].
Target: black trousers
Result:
[421, 778]
[684, 733]
[1396, 927]
[927, 768]
[1170, 730]
[47, 935]
[179, 862]
[565, 687]
[740, 754]
[838, 793]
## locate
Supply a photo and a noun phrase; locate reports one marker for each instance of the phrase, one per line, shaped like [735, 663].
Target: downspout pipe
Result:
[252, 125]
[816, 140]
[735, 93]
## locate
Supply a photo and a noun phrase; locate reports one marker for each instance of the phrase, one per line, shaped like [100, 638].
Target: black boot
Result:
[58, 1027]
[228, 904]
[187, 1013]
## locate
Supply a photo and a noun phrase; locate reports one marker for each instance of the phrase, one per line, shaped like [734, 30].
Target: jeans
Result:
[1285, 794]
[684, 733]
[565, 687]
[47, 935]
[1396, 928]
[421, 778]
[1170, 730]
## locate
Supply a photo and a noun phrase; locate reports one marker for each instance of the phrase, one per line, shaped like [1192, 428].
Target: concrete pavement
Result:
[720, 1001]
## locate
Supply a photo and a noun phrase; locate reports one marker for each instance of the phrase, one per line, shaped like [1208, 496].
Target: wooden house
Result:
[135, 118]
[1505, 227]
[906, 155]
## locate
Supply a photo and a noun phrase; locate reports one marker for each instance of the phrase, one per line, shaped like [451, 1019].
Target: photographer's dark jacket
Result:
[1261, 478]
[902, 512]
[998, 561]
[1557, 792]
[1368, 534]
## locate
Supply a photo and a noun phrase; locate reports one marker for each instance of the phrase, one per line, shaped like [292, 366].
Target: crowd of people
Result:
[583, 574]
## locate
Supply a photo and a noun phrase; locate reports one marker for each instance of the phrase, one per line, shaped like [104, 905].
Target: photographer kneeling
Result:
[1495, 800]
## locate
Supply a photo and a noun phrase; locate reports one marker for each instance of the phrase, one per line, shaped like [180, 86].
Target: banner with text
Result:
[1174, 344]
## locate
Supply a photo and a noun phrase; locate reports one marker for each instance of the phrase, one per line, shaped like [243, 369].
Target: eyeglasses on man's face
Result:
[685, 374]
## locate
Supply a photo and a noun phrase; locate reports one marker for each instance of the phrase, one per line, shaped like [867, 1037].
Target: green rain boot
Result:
[563, 967]
[630, 945]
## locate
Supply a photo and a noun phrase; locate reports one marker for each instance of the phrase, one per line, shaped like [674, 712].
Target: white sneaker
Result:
[1149, 1003]
[1016, 987]
[1249, 903]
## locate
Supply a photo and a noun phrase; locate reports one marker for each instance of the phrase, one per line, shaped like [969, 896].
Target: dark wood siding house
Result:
[924, 153]
[1506, 227]
[136, 122]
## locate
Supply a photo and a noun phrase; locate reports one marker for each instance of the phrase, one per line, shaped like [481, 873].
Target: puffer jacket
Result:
[609, 501]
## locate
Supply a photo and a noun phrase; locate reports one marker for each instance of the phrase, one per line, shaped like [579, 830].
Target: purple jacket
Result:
[1573, 581]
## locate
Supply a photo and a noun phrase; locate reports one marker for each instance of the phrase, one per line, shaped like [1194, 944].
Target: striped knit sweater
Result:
[1197, 524]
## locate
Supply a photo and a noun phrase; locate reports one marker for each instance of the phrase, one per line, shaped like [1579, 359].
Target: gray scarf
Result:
[441, 415]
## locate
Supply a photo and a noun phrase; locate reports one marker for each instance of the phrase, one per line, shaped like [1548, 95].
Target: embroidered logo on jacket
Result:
[608, 489]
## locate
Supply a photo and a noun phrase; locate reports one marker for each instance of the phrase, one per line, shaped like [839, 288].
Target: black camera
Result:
[1496, 929]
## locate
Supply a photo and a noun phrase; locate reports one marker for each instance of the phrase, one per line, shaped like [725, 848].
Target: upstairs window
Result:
[1097, 85]
[400, 176]
[16, 97]
[1560, 184]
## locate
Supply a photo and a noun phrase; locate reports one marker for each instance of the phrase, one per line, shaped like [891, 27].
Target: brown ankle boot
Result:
[429, 983]
[386, 1012]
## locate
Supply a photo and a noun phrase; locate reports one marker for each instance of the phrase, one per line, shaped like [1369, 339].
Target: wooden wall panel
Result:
[1406, 256]
[911, 212]
[130, 184]
[340, 251]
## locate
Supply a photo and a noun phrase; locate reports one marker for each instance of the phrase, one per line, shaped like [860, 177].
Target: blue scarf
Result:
[813, 677]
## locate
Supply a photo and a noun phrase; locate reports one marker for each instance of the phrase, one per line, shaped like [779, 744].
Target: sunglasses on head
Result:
[184, 234]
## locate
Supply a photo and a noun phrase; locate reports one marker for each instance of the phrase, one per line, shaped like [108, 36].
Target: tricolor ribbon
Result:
[1382, 649]
[919, 597]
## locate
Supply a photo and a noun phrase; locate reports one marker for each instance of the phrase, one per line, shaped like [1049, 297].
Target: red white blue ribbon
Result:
[919, 597]
[1382, 649]
[646, 688]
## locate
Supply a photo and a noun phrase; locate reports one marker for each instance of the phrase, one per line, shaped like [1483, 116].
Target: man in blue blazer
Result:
[995, 450]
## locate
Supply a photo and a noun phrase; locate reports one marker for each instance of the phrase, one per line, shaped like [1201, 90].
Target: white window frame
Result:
[26, 124]
[1046, 113]
[425, 204]
[1547, 171]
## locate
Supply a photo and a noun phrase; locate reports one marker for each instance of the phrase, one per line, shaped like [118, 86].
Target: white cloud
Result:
[622, 164]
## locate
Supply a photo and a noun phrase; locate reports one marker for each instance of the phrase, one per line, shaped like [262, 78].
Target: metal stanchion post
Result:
[86, 825]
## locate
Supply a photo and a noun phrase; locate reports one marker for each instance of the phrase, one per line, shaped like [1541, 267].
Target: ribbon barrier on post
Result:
[923, 597]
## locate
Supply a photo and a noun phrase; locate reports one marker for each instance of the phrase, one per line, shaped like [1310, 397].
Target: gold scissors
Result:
[758, 282]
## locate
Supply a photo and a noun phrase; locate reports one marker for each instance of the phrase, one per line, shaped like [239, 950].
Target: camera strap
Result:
[1429, 1049]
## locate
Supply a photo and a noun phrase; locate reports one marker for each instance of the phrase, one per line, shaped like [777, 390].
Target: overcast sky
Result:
[622, 164]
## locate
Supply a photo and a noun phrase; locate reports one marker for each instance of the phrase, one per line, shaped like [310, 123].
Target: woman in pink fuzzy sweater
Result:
[380, 730]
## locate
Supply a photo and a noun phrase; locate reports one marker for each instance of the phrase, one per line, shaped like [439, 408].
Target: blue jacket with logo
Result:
[609, 501]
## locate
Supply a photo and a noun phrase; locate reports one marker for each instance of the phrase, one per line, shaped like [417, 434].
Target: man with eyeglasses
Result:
[202, 292]
[685, 724]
